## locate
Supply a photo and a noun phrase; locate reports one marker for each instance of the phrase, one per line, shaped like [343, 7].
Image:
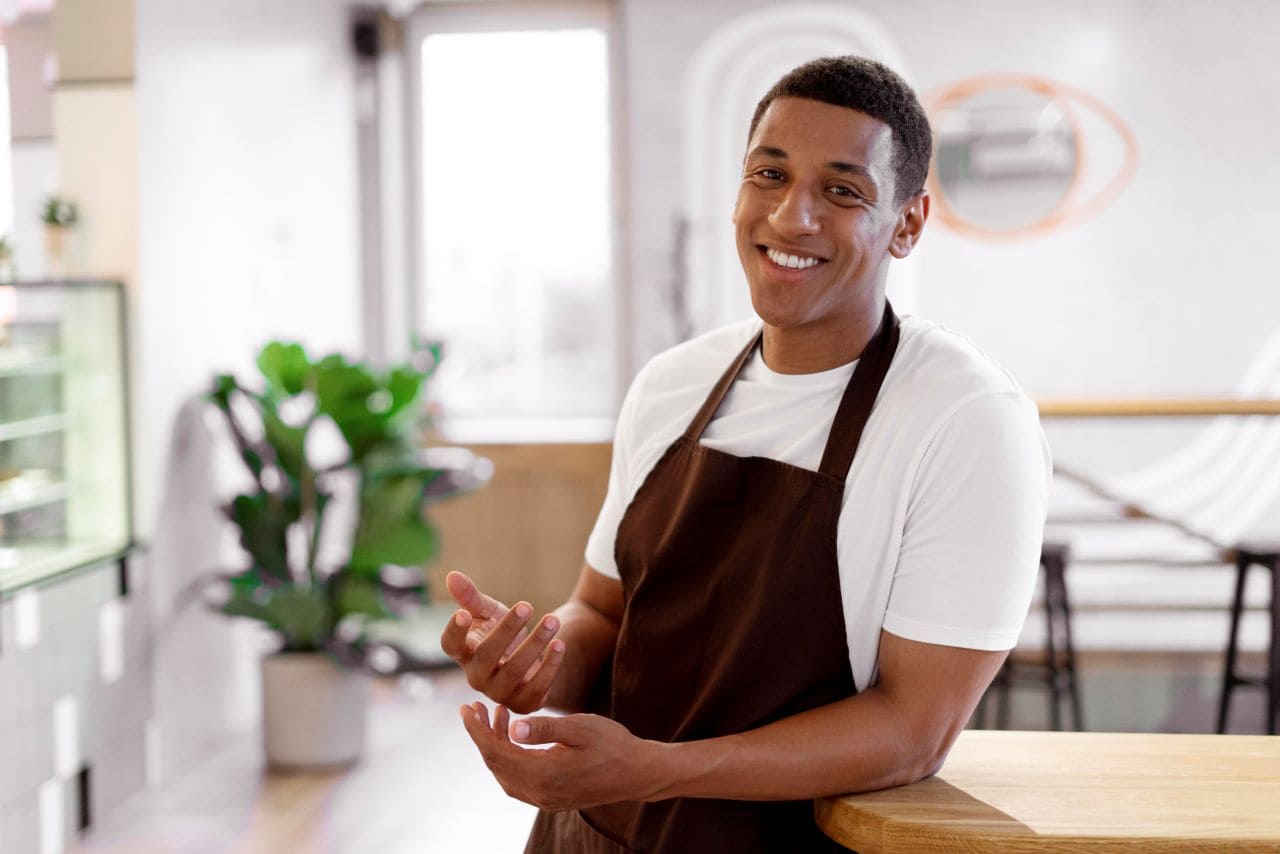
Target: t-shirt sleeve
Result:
[974, 523]
[599, 553]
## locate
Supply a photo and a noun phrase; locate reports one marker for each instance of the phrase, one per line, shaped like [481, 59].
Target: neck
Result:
[811, 348]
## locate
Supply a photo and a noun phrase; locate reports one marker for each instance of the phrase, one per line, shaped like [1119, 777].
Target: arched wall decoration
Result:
[1070, 209]
[727, 75]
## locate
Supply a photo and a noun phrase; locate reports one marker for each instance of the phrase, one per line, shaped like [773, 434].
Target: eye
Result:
[768, 173]
[845, 193]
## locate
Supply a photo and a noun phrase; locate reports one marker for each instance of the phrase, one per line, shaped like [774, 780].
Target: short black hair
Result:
[875, 89]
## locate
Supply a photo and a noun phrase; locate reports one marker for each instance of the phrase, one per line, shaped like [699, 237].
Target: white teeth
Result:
[795, 262]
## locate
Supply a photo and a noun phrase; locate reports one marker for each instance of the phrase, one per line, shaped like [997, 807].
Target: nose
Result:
[796, 212]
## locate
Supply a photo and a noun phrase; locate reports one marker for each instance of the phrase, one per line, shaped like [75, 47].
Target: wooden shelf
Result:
[38, 426]
[40, 366]
[39, 496]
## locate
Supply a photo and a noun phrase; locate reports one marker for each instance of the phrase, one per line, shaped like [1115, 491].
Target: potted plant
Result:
[8, 270]
[59, 216]
[333, 513]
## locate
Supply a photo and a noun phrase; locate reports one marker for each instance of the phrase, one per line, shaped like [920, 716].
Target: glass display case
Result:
[64, 470]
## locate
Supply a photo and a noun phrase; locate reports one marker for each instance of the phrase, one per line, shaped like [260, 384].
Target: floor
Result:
[421, 788]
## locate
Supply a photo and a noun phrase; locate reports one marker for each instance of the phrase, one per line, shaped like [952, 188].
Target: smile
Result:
[793, 262]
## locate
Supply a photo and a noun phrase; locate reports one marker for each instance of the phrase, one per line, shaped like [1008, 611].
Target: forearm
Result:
[857, 744]
[589, 637]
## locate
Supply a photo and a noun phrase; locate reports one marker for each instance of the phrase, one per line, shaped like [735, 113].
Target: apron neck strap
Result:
[859, 396]
[713, 401]
[855, 405]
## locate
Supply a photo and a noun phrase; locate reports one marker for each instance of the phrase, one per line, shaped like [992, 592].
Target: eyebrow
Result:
[837, 165]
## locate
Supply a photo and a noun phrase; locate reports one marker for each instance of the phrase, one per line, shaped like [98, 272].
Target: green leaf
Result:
[302, 614]
[220, 394]
[286, 369]
[392, 528]
[355, 594]
[263, 520]
[244, 599]
[289, 443]
[343, 392]
[404, 384]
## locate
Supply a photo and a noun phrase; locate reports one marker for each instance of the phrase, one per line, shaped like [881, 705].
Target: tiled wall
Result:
[75, 705]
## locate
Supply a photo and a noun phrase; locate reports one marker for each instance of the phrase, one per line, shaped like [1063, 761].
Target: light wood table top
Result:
[1154, 407]
[1027, 792]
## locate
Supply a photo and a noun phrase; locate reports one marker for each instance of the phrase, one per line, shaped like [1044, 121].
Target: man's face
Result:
[815, 215]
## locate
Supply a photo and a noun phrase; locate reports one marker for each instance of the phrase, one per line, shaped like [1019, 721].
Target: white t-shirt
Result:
[944, 506]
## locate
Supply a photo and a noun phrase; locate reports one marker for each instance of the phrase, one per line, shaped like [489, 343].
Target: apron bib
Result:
[732, 620]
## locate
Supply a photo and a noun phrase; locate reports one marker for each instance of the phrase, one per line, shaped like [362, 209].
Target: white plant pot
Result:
[313, 711]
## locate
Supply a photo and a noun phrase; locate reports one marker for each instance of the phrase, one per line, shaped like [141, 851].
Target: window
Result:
[516, 272]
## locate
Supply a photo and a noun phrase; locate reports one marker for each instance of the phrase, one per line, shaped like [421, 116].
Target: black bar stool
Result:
[1057, 671]
[1247, 556]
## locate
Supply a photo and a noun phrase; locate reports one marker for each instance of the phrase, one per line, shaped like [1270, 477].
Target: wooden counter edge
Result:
[866, 833]
[1154, 407]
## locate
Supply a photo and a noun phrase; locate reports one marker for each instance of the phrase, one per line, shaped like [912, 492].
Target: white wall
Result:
[1168, 291]
[247, 194]
[248, 231]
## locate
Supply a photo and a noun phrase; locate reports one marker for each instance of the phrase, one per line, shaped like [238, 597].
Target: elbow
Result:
[935, 756]
[917, 768]
[927, 759]
[932, 766]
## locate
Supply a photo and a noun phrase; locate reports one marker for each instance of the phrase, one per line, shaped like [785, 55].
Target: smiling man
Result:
[820, 538]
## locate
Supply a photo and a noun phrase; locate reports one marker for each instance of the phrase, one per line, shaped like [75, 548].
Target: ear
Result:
[910, 225]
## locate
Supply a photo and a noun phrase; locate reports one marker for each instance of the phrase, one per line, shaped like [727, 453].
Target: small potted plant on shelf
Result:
[8, 270]
[331, 524]
[59, 216]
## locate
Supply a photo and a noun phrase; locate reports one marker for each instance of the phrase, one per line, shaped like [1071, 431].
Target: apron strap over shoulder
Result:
[860, 395]
[713, 401]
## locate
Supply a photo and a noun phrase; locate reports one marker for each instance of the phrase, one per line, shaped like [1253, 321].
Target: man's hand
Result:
[501, 656]
[592, 760]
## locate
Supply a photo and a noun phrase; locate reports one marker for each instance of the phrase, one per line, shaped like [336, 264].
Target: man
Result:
[820, 538]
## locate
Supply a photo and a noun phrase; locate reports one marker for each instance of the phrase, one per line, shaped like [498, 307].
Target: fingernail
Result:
[523, 610]
[520, 731]
[458, 618]
[552, 624]
[557, 645]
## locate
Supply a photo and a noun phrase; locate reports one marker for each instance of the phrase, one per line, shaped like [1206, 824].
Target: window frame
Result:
[470, 17]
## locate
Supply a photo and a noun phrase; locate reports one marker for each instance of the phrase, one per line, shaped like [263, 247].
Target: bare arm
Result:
[589, 624]
[895, 732]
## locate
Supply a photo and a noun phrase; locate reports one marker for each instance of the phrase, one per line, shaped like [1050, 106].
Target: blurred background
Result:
[542, 191]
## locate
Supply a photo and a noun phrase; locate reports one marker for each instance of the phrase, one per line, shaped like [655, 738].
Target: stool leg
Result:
[1073, 686]
[1229, 666]
[1051, 646]
[1273, 652]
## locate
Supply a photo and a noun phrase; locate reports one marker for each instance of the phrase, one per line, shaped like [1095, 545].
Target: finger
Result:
[533, 692]
[453, 640]
[489, 653]
[467, 595]
[501, 722]
[517, 669]
[478, 731]
[568, 730]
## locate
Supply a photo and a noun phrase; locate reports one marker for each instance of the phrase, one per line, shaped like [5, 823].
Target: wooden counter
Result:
[1037, 792]
[1154, 407]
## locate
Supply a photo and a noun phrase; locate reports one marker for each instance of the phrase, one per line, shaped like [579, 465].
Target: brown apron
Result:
[733, 619]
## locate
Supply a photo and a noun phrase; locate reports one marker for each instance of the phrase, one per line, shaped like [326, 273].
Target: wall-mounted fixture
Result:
[1017, 155]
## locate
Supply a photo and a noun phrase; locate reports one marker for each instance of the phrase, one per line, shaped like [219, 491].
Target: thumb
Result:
[567, 730]
[460, 587]
[466, 594]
